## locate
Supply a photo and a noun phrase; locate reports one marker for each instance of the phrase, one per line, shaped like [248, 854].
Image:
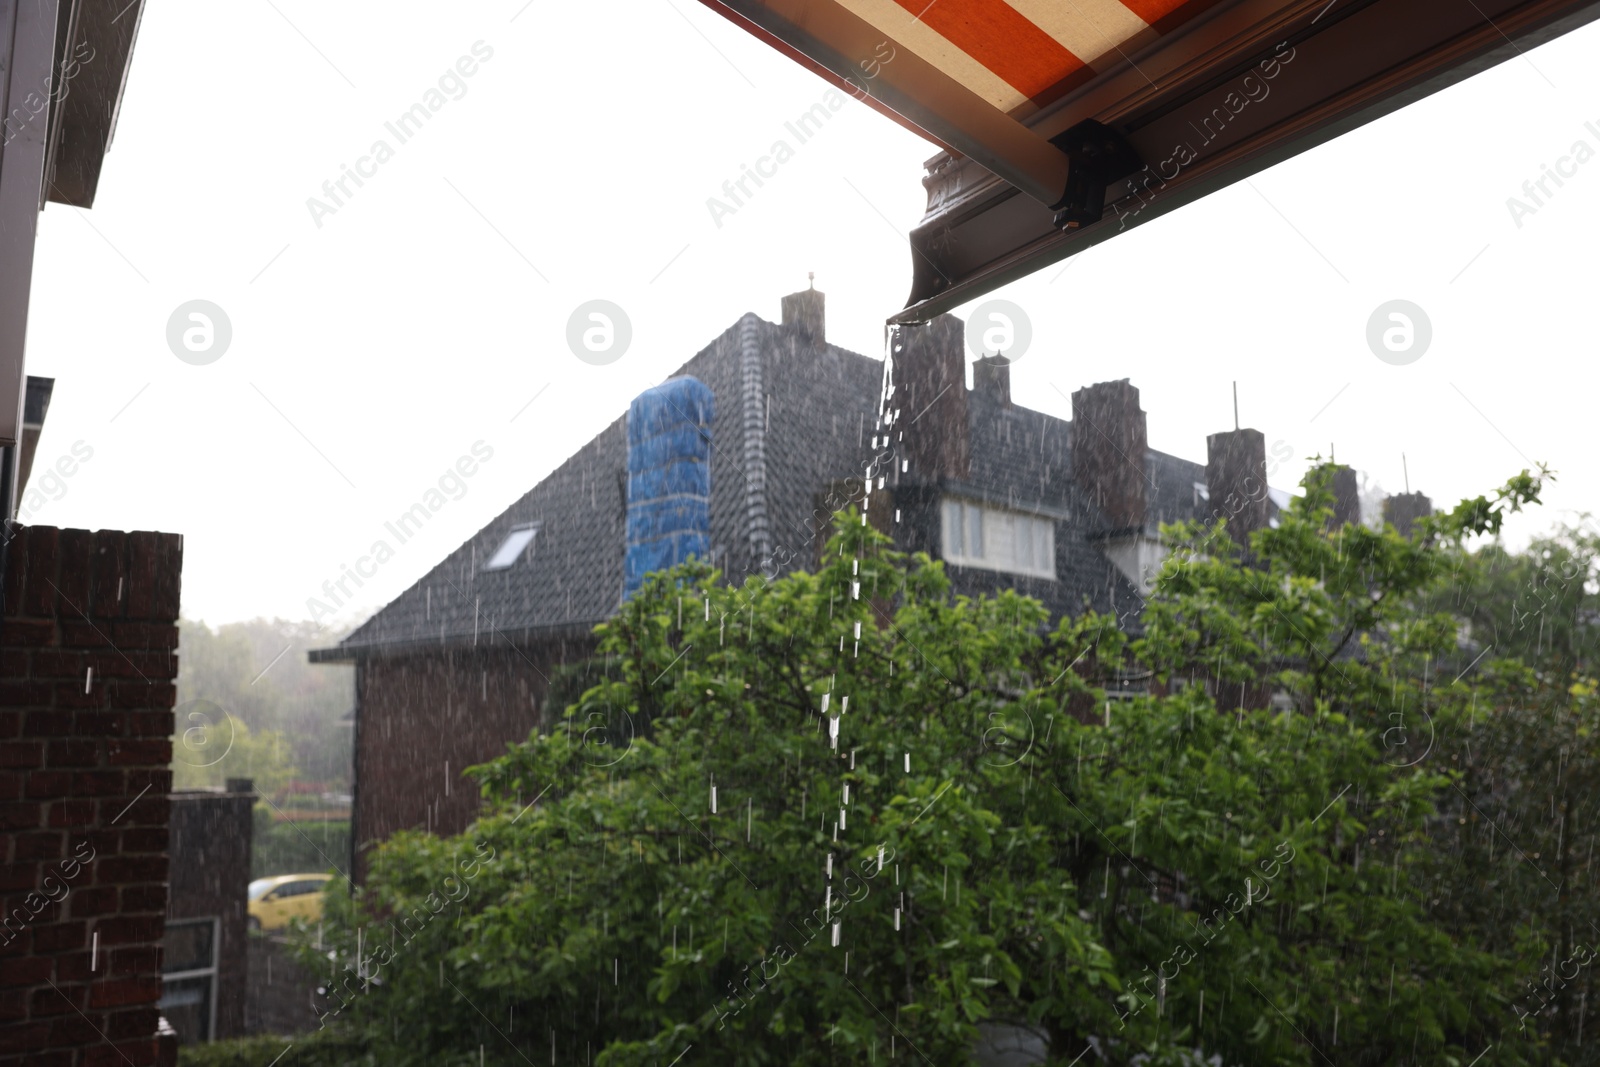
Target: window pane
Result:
[187, 945]
[952, 529]
[511, 548]
[974, 532]
[186, 1003]
[1000, 539]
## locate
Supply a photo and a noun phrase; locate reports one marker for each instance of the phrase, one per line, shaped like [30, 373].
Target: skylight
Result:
[512, 547]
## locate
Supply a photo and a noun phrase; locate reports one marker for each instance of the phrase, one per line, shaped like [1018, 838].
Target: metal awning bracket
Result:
[1097, 156]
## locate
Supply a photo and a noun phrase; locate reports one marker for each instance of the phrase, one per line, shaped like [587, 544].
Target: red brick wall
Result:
[84, 777]
[426, 717]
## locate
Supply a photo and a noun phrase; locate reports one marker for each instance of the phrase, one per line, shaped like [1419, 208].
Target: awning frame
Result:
[1365, 59]
[1004, 199]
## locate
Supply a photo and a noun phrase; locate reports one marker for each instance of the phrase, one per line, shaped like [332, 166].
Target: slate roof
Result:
[1173, 493]
[802, 412]
[571, 579]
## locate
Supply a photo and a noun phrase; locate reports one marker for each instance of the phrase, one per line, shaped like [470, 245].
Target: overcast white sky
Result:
[421, 317]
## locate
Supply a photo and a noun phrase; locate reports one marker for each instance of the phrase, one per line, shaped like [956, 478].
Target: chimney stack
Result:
[930, 377]
[1404, 509]
[1108, 446]
[1236, 479]
[991, 376]
[1346, 498]
[806, 311]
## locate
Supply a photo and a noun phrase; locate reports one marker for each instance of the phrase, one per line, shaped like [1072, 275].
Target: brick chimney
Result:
[991, 376]
[1236, 479]
[1404, 509]
[930, 377]
[1346, 498]
[1108, 446]
[806, 311]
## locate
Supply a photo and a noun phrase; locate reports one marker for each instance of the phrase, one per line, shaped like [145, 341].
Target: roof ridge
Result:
[755, 439]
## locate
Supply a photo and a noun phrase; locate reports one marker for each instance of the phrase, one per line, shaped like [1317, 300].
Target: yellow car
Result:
[276, 900]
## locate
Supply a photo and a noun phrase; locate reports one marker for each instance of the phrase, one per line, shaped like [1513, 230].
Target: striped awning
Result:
[1021, 55]
[969, 75]
[1105, 114]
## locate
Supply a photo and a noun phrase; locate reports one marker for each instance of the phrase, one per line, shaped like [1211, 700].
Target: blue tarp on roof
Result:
[669, 478]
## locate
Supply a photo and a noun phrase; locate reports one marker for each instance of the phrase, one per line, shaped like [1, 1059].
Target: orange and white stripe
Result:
[1020, 54]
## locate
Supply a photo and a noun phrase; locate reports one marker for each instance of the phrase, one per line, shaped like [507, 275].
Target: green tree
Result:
[1509, 864]
[942, 784]
[214, 747]
[1512, 856]
[257, 674]
[1537, 606]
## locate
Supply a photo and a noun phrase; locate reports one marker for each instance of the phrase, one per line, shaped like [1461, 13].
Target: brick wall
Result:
[87, 664]
[210, 850]
[424, 717]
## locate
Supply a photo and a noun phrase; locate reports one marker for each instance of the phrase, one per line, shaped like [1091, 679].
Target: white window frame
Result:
[965, 524]
[202, 972]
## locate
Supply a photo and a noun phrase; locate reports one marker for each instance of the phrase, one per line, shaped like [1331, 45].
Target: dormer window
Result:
[512, 548]
[979, 536]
